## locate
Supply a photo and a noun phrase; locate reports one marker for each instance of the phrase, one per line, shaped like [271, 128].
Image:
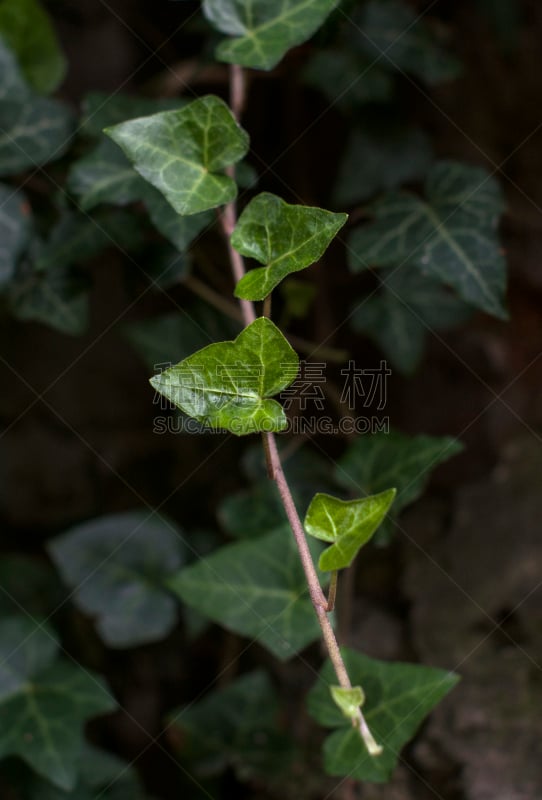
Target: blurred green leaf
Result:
[263, 32]
[402, 39]
[237, 727]
[347, 79]
[347, 524]
[27, 30]
[104, 176]
[398, 698]
[380, 160]
[117, 567]
[34, 130]
[180, 231]
[256, 588]
[44, 702]
[372, 463]
[15, 230]
[407, 308]
[452, 236]
[228, 385]
[100, 110]
[183, 153]
[254, 512]
[57, 297]
[286, 238]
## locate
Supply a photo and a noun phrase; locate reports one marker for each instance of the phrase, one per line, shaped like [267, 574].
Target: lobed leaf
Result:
[372, 462]
[44, 702]
[398, 36]
[57, 297]
[183, 153]
[33, 129]
[228, 385]
[407, 308]
[348, 524]
[380, 159]
[451, 236]
[256, 588]
[117, 566]
[286, 238]
[235, 726]
[398, 698]
[263, 32]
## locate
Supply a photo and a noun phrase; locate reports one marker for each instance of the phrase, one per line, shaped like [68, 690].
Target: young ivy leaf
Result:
[349, 524]
[44, 702]
[264, 31]
[348, 700]
[228, 385]
[399, 697]
[183, 153]
[286, 238]
[451, 236]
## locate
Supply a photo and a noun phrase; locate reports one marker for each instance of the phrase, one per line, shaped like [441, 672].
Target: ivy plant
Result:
[156, 175]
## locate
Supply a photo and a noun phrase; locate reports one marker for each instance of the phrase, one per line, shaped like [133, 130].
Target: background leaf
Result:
[347, 79]
[286, 238]
[183, 153]
[394, 32]
[380, 159]
[44, 702]
[28, 31]
[256, 588]
[264, 32]
[34, 130]
[227, 385]
[236, 726]
[451, 237]
[117, 567]
[408, 307]
[372, 463]
[398, 698]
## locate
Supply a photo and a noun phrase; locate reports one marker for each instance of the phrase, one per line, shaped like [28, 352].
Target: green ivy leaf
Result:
[44, 702]
[373, 462]
[451, 236]
[263, 32]
[349, 524]
[256, 588]
[349, 701]
[106, 176]
[167, 337]
[255, 512]
[27, 30]
[236, 726]
[57, 297]
[228, 385]
[15, 231]
[408, 43]
[398, 698]
[33, 129]
[347, 79]
[380, 159]
[286, 238]
[407, 308]
[183, 153]
[117, 567]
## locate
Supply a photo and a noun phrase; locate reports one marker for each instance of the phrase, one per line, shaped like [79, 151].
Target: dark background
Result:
[459, 587]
